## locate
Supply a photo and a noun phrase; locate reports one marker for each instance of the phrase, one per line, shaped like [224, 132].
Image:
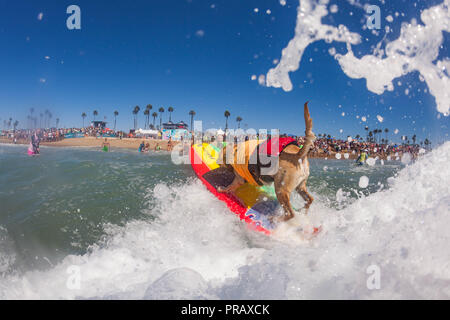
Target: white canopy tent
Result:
[147, 132]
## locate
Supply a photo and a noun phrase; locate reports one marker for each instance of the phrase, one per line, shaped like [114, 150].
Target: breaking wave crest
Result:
[196, 249]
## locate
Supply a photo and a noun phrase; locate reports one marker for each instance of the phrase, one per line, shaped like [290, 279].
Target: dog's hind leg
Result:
[303, 192]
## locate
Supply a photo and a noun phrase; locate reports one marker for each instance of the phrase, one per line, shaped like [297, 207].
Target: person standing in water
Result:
[35, 142]
[141, 147]
[362, 157]
[169, 144]
[105, 145]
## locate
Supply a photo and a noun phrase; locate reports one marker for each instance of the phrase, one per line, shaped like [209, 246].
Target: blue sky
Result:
[151, 52]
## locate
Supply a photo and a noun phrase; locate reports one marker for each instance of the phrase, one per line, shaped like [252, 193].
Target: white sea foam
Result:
[197, 249]
[7, 255]
[416, 49]
[308, 29]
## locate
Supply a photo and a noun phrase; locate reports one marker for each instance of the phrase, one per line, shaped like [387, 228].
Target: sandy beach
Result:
[125, 143]
[133, 143]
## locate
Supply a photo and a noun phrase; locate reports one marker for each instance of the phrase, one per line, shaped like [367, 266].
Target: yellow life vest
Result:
[241, 155]
[362, 157]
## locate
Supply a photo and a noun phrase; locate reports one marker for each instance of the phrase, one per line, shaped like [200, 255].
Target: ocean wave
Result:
[193, 247]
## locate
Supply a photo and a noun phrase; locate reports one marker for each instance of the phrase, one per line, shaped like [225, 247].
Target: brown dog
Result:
[292, 174]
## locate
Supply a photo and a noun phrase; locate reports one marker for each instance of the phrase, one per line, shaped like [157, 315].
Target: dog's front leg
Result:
[237, 182]
[283, 195]
[284, 199]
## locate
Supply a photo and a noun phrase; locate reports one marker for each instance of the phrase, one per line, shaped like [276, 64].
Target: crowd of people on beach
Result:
[45, 135]
[324, 146]
[330, 146]
[54, 134]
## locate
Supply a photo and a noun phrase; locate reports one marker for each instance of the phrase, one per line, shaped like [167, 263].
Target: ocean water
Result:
[82, 224]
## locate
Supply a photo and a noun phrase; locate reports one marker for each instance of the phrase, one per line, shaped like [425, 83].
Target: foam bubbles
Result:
[262, 80]
[334, 8]
[406, 158]
[371, 161]
[416, 49]
[176, 284]
[363, 182]
[307, 31]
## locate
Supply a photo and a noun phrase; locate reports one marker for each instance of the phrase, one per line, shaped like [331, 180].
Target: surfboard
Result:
[254, 205]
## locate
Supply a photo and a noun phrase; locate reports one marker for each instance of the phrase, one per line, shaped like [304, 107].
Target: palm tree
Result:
[41, 116]
[170, 109]
[414, 139]
[367, 135]
[148, 108]
[192, 114]
[16, 123]
[95, 113]
[49, 118]
[57, 123]
[31, 112]
[83, 115]
[147, 114]
[370, 136]
[116, 113]
[386, 132]
[238, 120]
[161, 110]
[226, 114]
[426, 142]
[46, 112]
[154, 115]
[135, 112]
[9, 123]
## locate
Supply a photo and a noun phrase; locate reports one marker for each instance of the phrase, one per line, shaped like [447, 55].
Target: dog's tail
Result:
[309, 135]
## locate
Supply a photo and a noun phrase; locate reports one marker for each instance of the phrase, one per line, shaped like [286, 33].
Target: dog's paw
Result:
[276, 219]
[222, 190]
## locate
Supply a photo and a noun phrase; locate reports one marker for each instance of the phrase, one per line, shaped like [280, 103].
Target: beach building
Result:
[175, 131]
[98, 124]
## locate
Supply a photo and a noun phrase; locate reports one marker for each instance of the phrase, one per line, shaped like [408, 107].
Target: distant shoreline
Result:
[125, 143]
[133, 144]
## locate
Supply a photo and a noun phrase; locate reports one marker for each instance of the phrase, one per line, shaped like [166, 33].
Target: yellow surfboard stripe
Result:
[208, 154]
